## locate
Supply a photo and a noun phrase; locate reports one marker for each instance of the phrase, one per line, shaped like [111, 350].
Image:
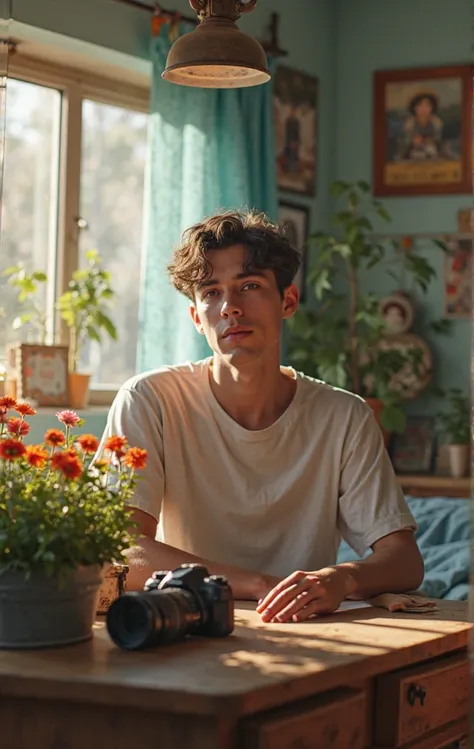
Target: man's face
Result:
[240, 312]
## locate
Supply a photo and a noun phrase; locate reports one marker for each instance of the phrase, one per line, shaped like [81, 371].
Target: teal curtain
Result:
[208, 150]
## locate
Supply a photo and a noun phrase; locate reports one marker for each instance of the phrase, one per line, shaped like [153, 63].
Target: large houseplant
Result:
[61, 521]
[340, 340]
[84, 308]
[455, 426]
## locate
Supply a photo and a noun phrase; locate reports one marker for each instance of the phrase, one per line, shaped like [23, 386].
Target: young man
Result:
[255, 470]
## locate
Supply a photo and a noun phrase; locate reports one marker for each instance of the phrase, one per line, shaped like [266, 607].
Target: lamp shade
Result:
[216, 55]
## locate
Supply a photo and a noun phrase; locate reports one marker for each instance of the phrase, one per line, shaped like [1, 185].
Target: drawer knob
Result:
[415, 693]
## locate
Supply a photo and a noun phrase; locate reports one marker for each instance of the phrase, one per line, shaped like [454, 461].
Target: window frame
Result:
[75, 86]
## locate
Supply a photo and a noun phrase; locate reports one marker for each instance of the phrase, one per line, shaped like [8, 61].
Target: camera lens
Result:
[130, 622]
[146, 619]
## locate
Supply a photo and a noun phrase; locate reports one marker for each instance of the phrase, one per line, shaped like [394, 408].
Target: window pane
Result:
[30, 200]
[112, 182]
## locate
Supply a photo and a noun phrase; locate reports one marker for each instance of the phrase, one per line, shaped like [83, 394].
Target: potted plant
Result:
[34, 313]
[342, 340]
[455, 425]
[84, 308]
[61, 521]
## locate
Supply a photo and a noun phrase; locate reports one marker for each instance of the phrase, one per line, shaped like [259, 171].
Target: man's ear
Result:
[291, 300]
[195, 318]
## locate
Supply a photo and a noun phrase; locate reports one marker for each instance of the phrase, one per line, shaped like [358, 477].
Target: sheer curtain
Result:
[208, 150]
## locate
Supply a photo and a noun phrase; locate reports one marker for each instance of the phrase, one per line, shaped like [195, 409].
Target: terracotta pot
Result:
[376, 405]
[78, 389]
[458, 460]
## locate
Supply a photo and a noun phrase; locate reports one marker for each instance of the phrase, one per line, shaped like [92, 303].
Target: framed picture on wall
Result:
[422, 131]
[295, 111]
[295, 219]
[458, 279]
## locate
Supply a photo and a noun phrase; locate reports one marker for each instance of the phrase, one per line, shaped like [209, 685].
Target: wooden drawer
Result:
[334, 721]
[413, 702]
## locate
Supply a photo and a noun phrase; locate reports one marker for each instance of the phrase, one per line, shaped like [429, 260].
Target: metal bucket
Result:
[40, 613]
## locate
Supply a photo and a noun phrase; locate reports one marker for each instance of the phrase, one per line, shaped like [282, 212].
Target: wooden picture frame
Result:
[295, 220]
[422, 131]
[413, 452]
[457, 284]
[295, 103]
[40, 372]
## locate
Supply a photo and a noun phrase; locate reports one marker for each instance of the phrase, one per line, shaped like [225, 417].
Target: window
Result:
[74, 181]
[30, 195]
[112, 180]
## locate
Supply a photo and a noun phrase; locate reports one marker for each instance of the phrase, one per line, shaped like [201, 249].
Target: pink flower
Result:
[68, 418]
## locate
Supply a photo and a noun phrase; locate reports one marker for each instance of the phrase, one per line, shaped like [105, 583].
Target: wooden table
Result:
[360, 678]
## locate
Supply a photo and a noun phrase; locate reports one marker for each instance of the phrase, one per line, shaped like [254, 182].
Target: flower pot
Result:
[78, 389]
[458, 460]
[376, 405]
[38, 613]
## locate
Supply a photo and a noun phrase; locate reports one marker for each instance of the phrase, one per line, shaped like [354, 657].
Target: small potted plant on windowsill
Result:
[84, 308]
[34, 313]
[61, 522]
[455, 426]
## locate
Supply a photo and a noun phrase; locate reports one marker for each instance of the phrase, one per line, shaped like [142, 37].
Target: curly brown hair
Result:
[267, 246]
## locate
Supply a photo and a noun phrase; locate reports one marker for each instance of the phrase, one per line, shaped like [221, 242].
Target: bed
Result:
[443, 537]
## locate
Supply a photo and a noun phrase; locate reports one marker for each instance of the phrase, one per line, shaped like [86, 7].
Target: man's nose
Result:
[230, 306]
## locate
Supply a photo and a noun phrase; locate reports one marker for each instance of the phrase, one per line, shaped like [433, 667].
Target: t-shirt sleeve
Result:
[136, 414]
[371, 502]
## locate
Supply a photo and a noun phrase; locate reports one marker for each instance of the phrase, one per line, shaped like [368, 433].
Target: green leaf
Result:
[93, 333]
[363, 186]
[13, 269]
[40, 276]
[338, 188]
[18, 322]
[383, 213]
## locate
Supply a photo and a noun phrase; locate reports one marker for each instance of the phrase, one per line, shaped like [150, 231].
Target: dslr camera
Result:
[173, 604]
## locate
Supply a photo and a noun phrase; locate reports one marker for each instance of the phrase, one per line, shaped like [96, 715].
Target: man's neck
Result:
[254, 396]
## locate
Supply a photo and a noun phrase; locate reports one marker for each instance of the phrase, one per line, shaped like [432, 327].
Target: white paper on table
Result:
[349, 605]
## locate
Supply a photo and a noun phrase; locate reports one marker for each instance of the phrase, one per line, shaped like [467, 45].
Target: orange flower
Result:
[11, 449]
[7, 402]
[88, 442]
[407, 243]
[54, 437]
[116, 445]
[68, 463]
[135, 458]
[25, 409]
[18, 427]
[36, 456]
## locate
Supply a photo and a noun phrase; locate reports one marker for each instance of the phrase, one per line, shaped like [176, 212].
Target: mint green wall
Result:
[374, 35]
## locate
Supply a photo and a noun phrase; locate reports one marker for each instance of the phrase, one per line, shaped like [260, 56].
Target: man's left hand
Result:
[305, 594]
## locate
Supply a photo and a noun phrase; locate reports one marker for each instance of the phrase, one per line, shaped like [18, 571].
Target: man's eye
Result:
[249, 286]
[211, 292]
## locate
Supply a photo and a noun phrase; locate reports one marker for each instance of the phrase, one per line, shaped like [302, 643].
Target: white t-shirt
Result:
[274, 500]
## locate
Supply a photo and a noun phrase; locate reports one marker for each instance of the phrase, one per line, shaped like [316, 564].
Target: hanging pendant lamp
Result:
[217, 54]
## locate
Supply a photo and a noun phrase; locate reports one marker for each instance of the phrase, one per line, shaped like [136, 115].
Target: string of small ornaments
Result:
[398, 312]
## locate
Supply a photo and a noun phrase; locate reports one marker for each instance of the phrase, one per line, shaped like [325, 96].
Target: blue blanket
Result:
[443, 537]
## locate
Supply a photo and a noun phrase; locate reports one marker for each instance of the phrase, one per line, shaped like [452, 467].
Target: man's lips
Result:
[235, 333]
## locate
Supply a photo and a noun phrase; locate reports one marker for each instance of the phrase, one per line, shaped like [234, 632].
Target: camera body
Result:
[213, 592]
[173, 604]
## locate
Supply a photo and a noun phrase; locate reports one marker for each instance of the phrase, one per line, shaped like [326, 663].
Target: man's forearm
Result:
[149, 555]
[383, 572]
